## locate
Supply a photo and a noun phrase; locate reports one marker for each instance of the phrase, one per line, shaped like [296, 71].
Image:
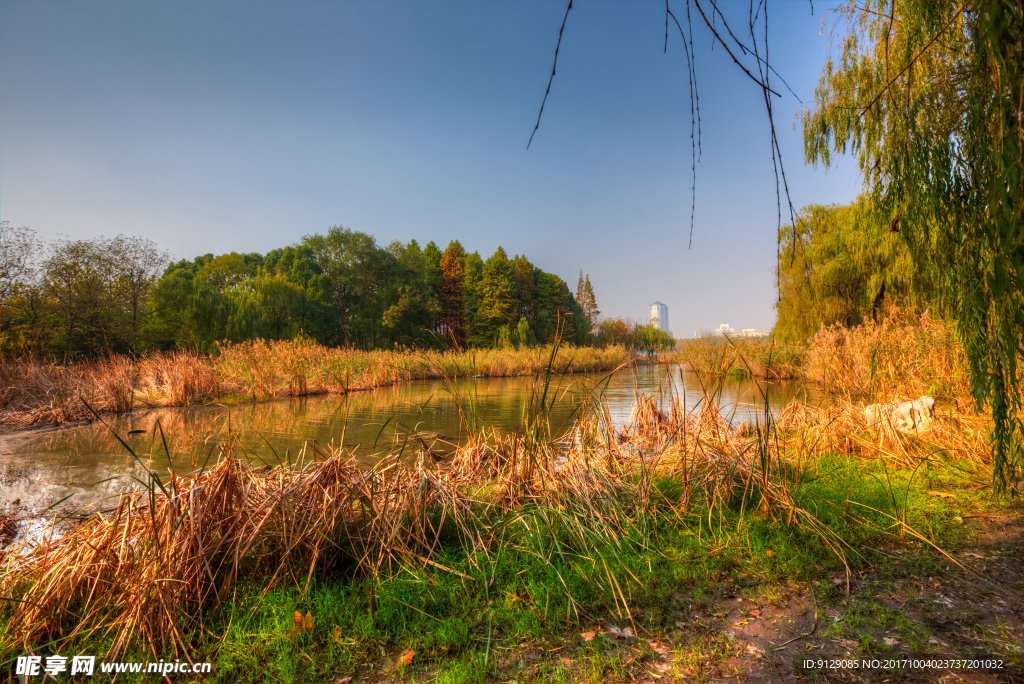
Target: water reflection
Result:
[40, 467]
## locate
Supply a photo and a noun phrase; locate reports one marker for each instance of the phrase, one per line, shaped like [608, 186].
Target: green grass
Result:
[515, 594]
[536, 585]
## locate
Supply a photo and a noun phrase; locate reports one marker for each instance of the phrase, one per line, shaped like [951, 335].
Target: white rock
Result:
[910, 415]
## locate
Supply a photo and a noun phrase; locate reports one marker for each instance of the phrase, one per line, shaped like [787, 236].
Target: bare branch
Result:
[553, 66]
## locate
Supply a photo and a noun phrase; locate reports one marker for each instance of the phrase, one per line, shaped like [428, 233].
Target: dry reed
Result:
[897, 359]
[743, 357]
[145, 571]
[35, 392]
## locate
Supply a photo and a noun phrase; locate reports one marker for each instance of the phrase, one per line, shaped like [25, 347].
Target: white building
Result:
[725, 329]
[659, 316]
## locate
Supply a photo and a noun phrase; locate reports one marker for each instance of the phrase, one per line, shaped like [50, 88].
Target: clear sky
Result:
[225, 125]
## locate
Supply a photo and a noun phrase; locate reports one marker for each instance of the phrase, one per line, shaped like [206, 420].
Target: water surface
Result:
[40, 467]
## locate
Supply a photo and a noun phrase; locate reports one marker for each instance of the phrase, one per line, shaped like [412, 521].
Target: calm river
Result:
[41, 467]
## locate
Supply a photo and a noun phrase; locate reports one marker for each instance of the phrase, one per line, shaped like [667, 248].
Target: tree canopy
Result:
[928, 97]
[90, 297]
[840, 265]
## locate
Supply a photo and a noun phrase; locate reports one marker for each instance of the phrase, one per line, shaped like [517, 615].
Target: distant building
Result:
[724, 330]
[659, 316]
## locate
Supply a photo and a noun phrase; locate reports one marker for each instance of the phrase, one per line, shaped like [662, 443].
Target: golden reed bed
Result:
[144, 570]
[42, 393]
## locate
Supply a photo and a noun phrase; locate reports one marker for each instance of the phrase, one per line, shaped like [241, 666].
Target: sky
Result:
[223, 125]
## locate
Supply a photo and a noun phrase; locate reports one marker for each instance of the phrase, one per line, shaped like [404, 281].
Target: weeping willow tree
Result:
[928, 97]
[840, 265]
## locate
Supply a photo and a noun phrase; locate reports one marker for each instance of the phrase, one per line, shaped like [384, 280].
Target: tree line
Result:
[928, 97]
[76, 299]
[841, 265]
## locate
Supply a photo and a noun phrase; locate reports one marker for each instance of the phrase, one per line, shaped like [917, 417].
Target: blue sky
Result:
[226, 125]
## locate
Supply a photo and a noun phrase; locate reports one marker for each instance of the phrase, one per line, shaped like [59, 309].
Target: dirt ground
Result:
[921, 607]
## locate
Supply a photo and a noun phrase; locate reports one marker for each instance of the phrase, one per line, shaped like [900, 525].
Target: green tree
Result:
[362, 283]
[98, 293]
[266, 307]
[839, 266]
[472, 276]
[588, 303]
[497, 293]
[526, 288]
[452, 271]
[928, 96]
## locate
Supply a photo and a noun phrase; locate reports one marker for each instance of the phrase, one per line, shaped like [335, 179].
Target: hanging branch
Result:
[691, 73]
[763, 80]
[553, 66]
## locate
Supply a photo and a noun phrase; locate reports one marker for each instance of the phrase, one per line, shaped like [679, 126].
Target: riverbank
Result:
[900, 357]
[36, 393]
[614, 552]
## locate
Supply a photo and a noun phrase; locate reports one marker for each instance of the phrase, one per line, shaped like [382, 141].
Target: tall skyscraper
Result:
[660, 312]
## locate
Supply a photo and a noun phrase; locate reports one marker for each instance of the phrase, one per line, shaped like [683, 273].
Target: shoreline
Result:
[263, 371]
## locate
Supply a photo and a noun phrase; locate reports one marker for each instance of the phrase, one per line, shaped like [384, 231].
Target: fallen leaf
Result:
[629, 633]
[301, 623]
[755, 651]
[345, 680]
[933, 641]
[944, 495]
[849, 643]
[838, 581]
[755, 613]
[958, 520]
[588, 636]
[406, 658]
[680, 625]
[565, 661]
[615, 631]
[889, 641]
[770, 553]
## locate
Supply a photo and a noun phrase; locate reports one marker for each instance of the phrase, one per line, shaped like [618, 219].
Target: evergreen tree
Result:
[589, 304]
[526, 288]
[473, 273]
[497, 294]
[452, 269]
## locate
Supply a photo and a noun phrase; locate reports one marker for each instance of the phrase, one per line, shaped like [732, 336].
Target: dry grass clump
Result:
[144, 572]
[899, 358]
[179, 379]
[281, 368]
[37, 393]
[742, 357]
[839, 426]
[147, 569]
